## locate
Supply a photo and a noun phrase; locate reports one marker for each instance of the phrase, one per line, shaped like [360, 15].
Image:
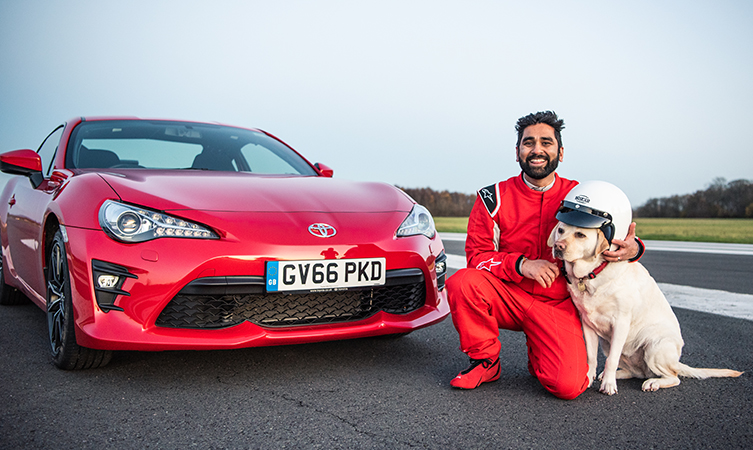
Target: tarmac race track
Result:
[371, 393]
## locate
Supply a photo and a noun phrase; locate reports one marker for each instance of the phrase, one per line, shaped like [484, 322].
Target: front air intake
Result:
[220, 302]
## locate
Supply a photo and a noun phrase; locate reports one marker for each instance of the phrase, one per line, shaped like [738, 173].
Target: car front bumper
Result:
[162, 269]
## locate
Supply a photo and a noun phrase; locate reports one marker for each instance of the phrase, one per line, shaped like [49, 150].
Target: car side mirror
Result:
[23, 162]
[324, 170]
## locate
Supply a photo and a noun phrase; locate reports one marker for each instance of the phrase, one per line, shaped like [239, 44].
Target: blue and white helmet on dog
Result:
[597, 204]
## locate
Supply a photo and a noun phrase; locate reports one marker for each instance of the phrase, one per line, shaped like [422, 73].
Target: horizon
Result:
[634, 207]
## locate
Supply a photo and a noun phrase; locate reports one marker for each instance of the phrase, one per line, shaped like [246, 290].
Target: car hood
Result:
[244, 192]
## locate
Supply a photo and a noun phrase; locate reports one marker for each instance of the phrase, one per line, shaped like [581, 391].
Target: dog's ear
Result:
[550, 241]
[602, 244]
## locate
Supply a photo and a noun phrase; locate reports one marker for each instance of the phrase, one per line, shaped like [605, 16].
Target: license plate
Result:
[325, 275]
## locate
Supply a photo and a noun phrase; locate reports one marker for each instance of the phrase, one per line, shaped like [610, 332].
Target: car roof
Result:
[153, 119]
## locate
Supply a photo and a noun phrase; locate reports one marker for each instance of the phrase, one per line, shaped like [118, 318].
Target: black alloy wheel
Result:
[66, 353]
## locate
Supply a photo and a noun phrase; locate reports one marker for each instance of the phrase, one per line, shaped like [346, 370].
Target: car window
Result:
[48, 148]
[263, 160]
[142, 144]
[146, 153]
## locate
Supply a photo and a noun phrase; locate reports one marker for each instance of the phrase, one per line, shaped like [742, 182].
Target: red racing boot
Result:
[480, 371]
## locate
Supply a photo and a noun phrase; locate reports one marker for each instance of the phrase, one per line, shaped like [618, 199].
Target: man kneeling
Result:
[512, 281]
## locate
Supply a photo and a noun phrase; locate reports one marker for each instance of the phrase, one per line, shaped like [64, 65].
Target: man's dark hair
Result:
[548, 117]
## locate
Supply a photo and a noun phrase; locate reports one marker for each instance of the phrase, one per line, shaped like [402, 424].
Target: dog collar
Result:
[597, 270]
[590, 276]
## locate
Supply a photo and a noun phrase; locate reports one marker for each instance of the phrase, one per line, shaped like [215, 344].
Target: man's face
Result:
[538, 153]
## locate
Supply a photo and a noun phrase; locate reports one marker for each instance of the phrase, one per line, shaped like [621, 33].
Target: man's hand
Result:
[626, 249]
[542, 271]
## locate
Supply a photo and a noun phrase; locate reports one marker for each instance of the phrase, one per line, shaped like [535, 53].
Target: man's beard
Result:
[539, 173]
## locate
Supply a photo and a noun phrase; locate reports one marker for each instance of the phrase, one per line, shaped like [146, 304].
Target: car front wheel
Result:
[66, 353]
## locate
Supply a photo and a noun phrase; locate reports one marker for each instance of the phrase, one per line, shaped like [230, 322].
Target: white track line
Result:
[705, 300]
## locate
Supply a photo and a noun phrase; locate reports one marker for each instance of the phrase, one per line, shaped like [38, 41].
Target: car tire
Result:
[66, 353]
[8, 294]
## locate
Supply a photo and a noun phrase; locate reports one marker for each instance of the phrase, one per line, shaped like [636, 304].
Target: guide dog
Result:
[622, 308]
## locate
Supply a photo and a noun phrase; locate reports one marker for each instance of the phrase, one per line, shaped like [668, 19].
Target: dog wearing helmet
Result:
[620, 304]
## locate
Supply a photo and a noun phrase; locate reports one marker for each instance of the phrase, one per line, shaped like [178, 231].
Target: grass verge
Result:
[737, 231]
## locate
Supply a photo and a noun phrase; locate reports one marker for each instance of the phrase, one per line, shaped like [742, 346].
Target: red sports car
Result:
[161, 235]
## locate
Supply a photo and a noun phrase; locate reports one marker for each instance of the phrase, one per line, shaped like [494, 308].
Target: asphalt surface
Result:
[368, 393]
[708, 270]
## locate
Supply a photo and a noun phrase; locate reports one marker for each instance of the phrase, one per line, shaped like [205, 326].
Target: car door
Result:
[26, 209]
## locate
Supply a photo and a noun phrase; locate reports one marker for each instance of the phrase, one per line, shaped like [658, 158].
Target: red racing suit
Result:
[510, 221]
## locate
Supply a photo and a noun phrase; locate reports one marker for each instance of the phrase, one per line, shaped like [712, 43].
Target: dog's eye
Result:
[560, 230]
[580, 235]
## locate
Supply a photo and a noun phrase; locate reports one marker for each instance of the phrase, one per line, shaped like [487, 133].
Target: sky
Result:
[412, 93]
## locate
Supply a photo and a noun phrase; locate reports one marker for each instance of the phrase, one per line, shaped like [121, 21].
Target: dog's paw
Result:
[608, 387]
[654, 384]
[591, 376]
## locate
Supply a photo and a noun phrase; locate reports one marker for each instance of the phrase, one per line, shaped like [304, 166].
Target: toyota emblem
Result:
[322, 230]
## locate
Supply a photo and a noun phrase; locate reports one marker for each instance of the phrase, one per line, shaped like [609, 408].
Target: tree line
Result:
[442, 203]
[721, 199]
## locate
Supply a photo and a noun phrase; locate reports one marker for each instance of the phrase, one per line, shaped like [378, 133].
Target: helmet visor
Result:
[582, 216]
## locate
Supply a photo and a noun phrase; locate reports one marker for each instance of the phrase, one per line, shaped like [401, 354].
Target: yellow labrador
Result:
[621, 304]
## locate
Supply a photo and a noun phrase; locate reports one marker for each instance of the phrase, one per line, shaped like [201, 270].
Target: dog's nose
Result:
[559, 245]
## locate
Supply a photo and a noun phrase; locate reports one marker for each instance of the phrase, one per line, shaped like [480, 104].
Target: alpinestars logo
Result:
[488, 264]
[322, 230]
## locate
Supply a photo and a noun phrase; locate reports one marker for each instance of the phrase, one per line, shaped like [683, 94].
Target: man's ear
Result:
[517, 154]
[550, 241]
[602, 244]
[562, 154]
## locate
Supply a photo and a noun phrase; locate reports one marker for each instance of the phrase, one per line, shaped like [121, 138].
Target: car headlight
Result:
[419, 221]
[133, 224]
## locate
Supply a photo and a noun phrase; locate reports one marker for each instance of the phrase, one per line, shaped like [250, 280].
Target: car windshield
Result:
[180, 145]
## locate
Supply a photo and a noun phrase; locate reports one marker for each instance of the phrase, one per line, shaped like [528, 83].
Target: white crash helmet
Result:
[597, 204]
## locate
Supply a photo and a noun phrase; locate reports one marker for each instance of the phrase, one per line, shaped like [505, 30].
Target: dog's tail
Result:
[692, 372]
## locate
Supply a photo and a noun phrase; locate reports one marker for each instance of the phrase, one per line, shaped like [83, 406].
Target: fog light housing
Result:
[440, 267]
[108, 283]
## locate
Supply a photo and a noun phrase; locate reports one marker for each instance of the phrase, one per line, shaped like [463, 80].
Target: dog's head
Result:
[571, 243]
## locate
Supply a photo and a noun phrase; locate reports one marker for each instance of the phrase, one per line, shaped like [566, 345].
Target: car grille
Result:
[220, 302]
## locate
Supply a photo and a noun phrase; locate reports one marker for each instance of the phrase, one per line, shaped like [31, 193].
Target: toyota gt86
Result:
[153, 235]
